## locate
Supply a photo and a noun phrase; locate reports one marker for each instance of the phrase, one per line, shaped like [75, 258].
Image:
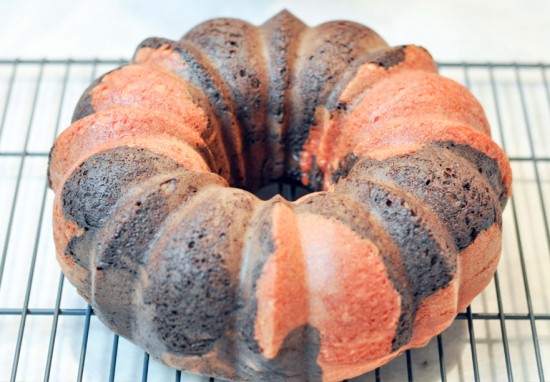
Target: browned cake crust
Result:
[402, 231]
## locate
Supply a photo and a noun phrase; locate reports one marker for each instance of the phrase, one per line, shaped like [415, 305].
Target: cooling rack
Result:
[48, 333]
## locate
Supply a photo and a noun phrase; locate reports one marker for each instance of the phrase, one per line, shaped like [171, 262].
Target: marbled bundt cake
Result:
[155, 224]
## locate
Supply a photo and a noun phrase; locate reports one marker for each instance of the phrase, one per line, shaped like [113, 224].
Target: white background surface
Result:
[452, 30]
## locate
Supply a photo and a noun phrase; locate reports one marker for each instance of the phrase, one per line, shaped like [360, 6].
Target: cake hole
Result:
[288, 190]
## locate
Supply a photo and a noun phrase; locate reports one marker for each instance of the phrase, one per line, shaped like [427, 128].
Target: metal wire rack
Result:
[48, 333]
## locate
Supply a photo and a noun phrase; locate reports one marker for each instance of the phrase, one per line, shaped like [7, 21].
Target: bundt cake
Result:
[156, 225]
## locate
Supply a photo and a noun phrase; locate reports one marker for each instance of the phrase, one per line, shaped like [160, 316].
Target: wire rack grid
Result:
[48, 333]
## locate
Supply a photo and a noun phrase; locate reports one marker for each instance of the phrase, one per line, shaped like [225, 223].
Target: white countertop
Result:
[472, 30]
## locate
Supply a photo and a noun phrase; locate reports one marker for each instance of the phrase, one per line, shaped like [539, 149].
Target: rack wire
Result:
[48, 333]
